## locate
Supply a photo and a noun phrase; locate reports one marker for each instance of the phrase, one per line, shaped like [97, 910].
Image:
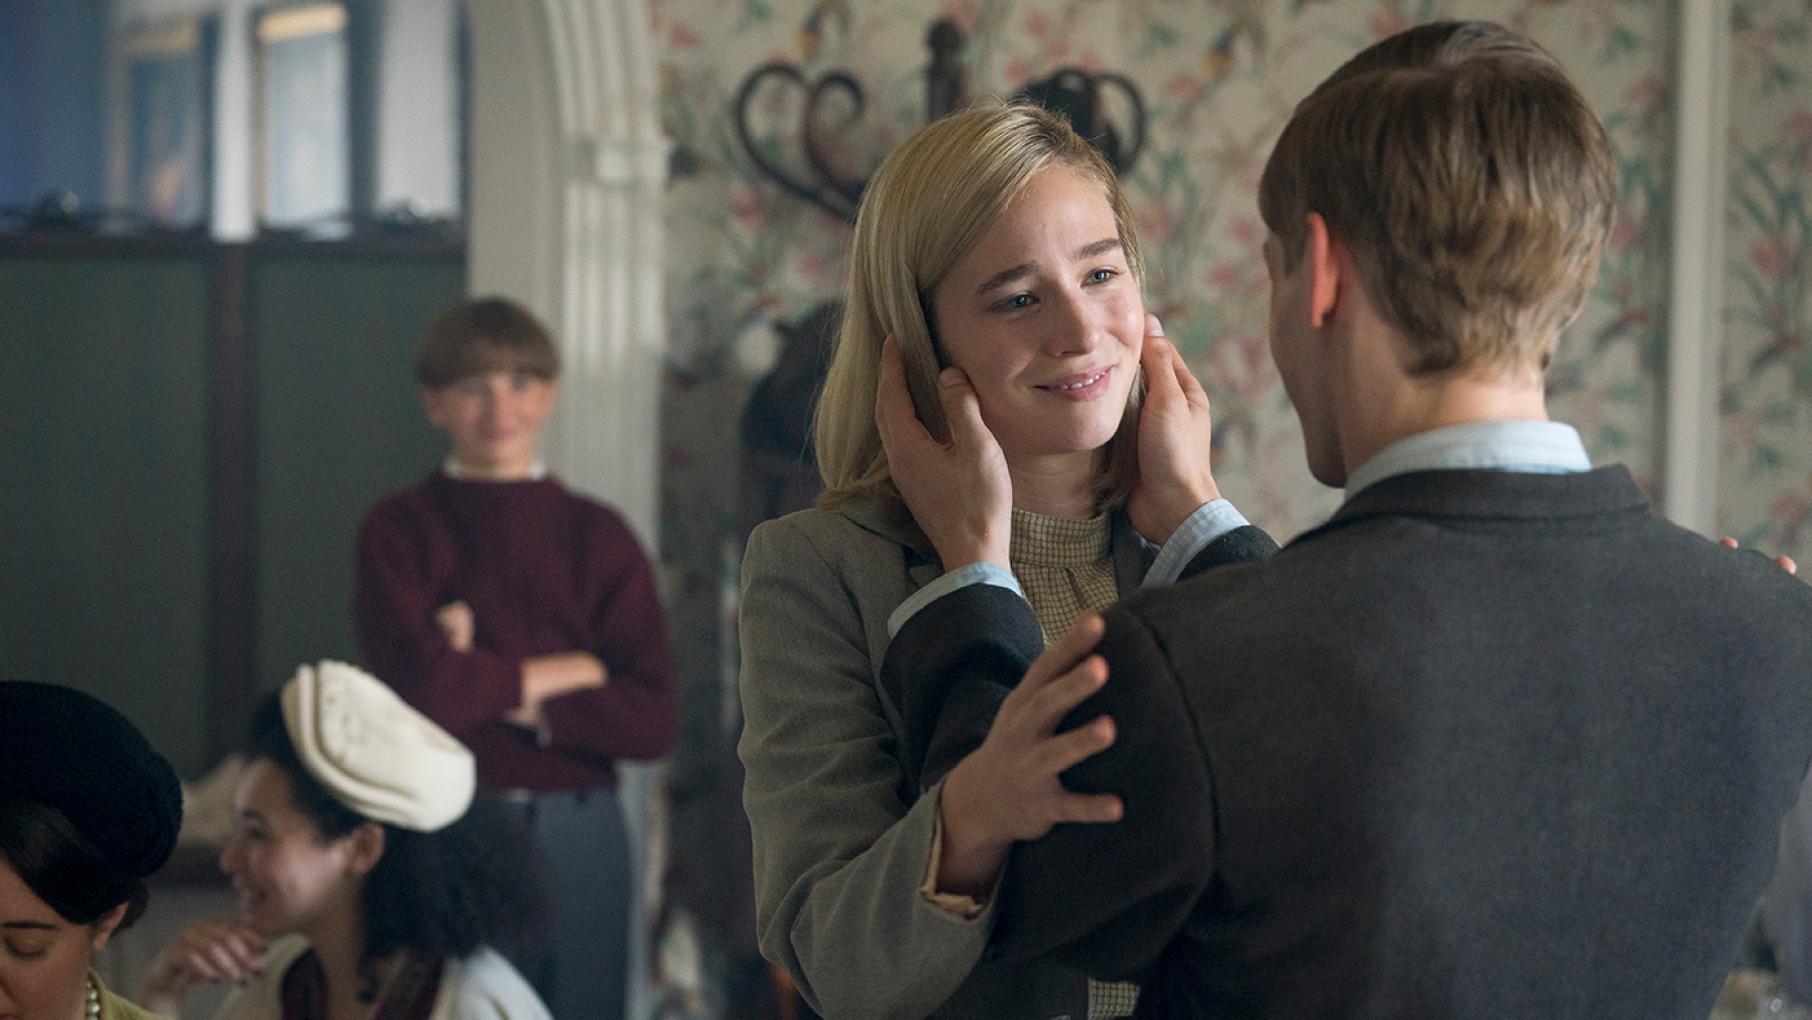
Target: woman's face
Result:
[1044, 315]
[289, 878]
[43, 958]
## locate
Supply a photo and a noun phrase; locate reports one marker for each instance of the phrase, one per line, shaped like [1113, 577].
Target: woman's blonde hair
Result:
[928, 204]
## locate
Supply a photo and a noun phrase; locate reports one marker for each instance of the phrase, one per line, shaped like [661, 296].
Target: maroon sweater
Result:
[544, 571]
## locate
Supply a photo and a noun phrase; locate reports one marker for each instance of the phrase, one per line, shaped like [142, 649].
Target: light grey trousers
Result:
[582, 974]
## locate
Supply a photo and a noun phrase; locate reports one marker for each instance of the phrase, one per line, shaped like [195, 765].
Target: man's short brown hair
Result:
[1472, 182]
[484, 335]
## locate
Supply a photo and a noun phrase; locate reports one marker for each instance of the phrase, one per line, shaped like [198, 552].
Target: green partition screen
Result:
[336, 424]
[103, 452]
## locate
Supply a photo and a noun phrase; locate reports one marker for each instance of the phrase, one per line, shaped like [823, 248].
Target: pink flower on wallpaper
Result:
[1225, 276]
[815, 270]
[1798, 126]
[1791, 507]
[747, 206]
[1623, 234]
[1250, 233]
[1389, 21]
[683, 38]
[1249, 354]
[1156, 224]
[1184, 87]
[962, 12]
[1771, 259]
[1037, 25]
[1646, 92]
[1018, 71]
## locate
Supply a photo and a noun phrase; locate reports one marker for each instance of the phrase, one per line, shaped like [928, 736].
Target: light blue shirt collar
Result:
[1535, 447]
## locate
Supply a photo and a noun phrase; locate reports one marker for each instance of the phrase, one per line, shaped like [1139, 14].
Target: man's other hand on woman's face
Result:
[1176, 436]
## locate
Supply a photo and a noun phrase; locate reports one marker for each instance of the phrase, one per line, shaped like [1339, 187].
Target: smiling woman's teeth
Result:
[1084, 384]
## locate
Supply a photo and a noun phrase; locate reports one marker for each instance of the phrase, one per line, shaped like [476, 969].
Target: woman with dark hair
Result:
[88, 811]
[359, 852]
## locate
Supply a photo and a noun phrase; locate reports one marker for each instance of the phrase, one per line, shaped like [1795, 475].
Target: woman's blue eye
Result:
[1102, 275]
[1015, 303]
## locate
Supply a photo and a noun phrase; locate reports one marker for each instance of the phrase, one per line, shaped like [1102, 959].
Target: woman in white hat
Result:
[370, 883]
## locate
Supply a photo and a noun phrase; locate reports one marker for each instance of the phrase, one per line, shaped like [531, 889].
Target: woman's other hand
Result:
[1176, 435]
[1783, 561]
[206, 952]
[958, 492]
[1009, 788]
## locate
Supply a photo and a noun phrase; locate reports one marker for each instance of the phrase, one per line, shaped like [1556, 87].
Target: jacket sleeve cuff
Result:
[1210, 521]
[955, 580]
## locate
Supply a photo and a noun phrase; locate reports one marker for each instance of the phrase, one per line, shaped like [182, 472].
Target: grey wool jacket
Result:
[1485, 744]
[841, 836]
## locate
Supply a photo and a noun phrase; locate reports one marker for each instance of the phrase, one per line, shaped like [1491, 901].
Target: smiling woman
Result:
[370, 882]
[87, 812]
[995, 277]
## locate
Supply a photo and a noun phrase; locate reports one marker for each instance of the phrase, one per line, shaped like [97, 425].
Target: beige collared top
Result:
[1064, 567]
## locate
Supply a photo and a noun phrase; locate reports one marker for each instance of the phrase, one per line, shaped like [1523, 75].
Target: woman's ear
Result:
[105, 925]
[367, 848]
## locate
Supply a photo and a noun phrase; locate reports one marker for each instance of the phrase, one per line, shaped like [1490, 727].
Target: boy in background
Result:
[524, 619]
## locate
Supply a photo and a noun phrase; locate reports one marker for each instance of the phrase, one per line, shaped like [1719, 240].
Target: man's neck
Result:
[1412, 405]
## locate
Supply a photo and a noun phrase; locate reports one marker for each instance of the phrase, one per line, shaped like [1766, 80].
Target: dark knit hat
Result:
[72, 752]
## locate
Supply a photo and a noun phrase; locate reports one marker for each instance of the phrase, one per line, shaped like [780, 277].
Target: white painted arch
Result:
[567, 168]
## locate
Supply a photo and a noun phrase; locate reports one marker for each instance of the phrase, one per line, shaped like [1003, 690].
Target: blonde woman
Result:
[995, 275]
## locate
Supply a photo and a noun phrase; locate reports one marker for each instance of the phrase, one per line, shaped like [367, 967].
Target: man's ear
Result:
[1324, 271]
[367, 847]
[105, 925]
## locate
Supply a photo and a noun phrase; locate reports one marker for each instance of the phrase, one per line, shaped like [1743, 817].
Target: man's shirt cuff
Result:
[1210, 521]
[961, 577]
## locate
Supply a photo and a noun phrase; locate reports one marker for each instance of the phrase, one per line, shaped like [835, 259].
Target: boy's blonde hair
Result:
[928, 204]
[1474, 185]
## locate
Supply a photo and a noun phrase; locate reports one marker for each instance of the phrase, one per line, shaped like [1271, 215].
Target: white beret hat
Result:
[373, 752]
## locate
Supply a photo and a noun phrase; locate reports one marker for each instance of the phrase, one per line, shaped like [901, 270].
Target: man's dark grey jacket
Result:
[1485, 744]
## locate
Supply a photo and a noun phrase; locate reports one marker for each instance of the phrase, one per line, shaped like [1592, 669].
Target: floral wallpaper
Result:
[1218, 80]
[1765, 463]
